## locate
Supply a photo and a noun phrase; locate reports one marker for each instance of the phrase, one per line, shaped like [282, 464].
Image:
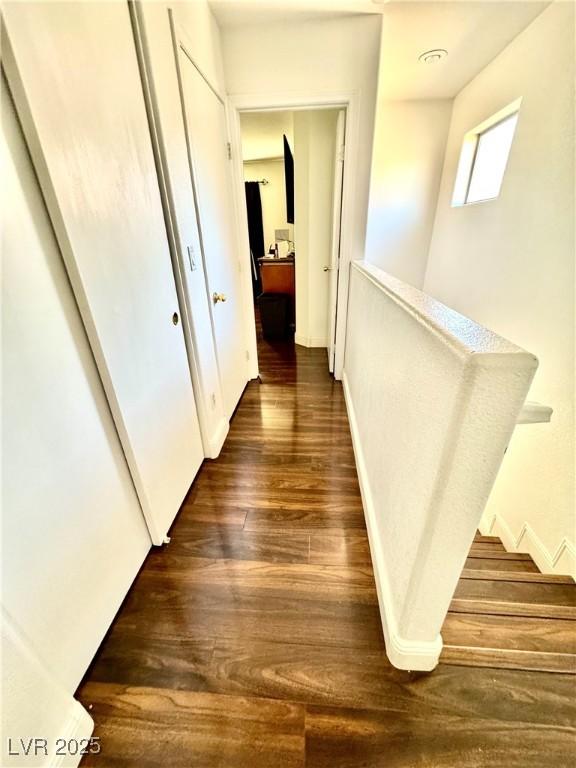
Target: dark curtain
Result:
[255, 231]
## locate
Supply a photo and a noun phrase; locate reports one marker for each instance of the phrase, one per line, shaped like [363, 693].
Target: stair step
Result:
[532, 578]
[499, 659]
[487, 539]
[516, 591]
[514, 633]
[511, 640]
[501, 564]
[501, 555]
[487, 546]
[501, 608]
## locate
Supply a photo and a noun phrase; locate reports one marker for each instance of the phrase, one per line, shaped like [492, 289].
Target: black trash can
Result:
[274, 315]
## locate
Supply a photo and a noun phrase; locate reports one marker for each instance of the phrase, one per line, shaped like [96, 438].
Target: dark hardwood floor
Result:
[254, 639]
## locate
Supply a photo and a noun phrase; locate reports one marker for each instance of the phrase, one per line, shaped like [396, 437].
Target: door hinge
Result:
[229, 150]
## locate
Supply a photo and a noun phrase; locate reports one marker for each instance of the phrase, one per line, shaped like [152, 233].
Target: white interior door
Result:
[208, 147]
[336, 224]
[73, 71]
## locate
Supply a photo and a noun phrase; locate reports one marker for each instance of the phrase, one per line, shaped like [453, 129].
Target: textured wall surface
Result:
[433, 400]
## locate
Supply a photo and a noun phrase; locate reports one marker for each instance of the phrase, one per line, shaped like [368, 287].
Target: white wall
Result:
[314, 153]
[300, 59]
[509, 264]
[73, 535]
[273, 196]
[409, 143]
[432, 400]
[34, 705]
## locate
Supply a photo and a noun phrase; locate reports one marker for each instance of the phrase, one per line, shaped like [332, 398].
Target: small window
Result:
[484, 157]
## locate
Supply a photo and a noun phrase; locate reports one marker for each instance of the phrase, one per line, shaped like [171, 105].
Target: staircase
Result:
[507, 614]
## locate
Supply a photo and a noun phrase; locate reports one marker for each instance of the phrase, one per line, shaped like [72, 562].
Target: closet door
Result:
[73, 71]
[207, 145]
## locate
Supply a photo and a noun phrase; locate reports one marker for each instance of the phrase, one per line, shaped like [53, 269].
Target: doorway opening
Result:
[292, 164]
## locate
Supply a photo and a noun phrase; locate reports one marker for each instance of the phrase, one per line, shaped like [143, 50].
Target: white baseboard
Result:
[78, 726]
[310, 341]
[218, 438]
[562, 562]
[403, 653]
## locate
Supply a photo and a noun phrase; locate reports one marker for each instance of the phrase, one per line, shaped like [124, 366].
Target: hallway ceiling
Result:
[262, 134]
[473, 33]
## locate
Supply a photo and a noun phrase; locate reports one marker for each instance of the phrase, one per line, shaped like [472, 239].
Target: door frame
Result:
[339, 157]
[290, 102]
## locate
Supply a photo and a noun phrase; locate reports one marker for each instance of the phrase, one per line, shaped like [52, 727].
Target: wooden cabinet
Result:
[277, 276]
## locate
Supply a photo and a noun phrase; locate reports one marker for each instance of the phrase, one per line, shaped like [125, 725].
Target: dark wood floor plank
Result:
[299, 581]
[209, 515]
[151, 659]
[376, 739]
[227, 543]
[224, 612]
[150, 727]
[351, 549]
[333, 516]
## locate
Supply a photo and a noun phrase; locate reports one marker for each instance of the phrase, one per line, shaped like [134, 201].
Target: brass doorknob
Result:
[216, 297]
[327, 269]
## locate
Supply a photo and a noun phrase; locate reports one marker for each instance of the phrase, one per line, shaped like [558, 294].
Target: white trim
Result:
[289, 101]
[78, 726]
[403, 653]
[311, 341]
[562, 562]
[217, 439]
[241, 225]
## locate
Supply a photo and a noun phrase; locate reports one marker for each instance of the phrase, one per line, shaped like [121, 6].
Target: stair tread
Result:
[515, 633]
[516, 591]
[534, 578]
[487, 539]
[493, 564]
[487, 546]
[509, 659]
[500, 555]
[503, 608]
[482, 538]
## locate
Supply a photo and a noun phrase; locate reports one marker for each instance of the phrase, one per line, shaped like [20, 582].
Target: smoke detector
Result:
[433, 56]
